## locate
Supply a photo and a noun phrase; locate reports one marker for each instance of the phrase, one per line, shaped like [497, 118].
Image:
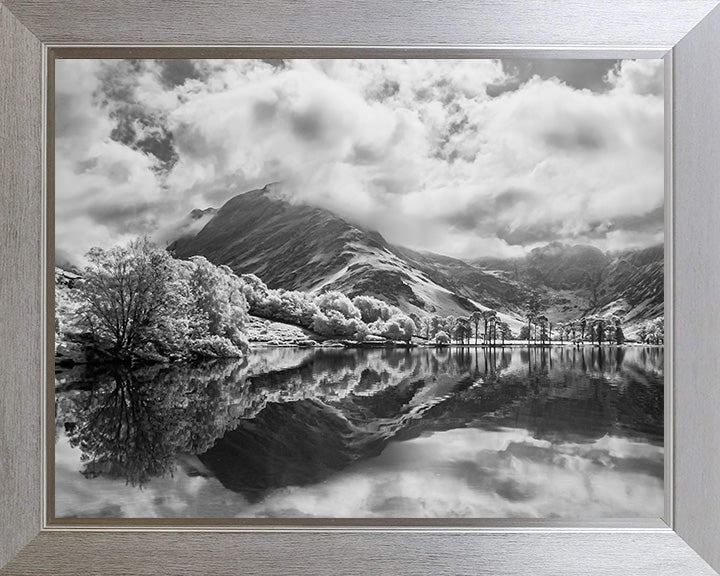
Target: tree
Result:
[583, 322]
[217, 304]
[399, 327]
[332, 323]
[658, 330]
[254, 290]
[337, 301]
[527, 330]
[393, 331]
[534, 308]
[462, 330]
[442, 339]
[449, 324]
[475, 318]
[425, 327]
[560, 329]
[617, 329]
[408, 327]
[524, 331]
[596, 326]
[435, 325]
[653, 331]
[372, 309]
[489, 317]
[505, 332]
[126, 291]
[362, 332]
[542, 322]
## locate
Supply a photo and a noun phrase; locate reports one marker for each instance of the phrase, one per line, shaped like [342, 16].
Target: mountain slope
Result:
[634, 282]
[300, 247]
[582, 280]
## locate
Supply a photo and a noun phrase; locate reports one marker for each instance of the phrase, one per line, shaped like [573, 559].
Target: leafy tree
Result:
[332, 323]
[442, 339]
[219, 307]
[475, 318]
[599, 329]
[448, 324]
[462, 329]
[489, 317]
[362, 332]
[337, 301]
[371, 309]
[505, 332]
[543, 323]
[408, 327]
[534, 307]
[254, 290]
[436, 324]
[525, 333]
[426, 327]
[393, 331]
[126, 291]
[583, 328]
[618, 334]
[653, 331]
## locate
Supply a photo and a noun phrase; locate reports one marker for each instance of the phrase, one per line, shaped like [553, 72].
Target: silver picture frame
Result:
[683, 32]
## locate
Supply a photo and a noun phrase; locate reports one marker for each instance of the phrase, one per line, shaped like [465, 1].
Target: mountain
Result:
[301, 247]
[579, 280]
[634, 282]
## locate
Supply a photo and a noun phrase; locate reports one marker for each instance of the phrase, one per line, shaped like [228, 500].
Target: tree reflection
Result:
[133, 424]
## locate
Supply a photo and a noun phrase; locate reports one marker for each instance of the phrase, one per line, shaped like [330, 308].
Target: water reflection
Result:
[285, 428]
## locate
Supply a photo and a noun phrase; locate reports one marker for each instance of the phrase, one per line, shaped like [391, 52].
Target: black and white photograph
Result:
[359, 288]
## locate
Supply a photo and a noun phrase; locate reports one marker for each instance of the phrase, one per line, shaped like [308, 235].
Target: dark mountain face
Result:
[556, 265]
[634, 281]
[288, 246]
[581, 280]
[301, 247]
[566, 267]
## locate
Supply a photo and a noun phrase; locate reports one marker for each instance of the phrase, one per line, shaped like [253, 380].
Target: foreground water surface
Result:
[289, 432]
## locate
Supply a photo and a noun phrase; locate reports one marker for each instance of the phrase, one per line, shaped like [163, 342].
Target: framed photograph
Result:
[288, 297]
[356, 289]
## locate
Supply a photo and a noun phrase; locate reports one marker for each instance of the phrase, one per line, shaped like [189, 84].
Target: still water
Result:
[289, 432]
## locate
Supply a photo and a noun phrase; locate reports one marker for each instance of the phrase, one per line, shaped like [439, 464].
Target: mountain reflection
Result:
[297, 417]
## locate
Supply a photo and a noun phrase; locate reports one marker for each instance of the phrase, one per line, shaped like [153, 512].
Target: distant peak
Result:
[198, 213]
[272, 186]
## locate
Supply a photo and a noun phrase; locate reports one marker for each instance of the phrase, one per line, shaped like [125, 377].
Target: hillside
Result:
[301, 247]
[582, 280]
[633, 282]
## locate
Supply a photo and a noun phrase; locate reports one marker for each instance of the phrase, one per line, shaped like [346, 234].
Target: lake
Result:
[299, 432]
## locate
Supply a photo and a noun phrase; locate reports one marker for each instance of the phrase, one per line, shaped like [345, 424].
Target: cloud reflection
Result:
[473, 473]
[482, 474]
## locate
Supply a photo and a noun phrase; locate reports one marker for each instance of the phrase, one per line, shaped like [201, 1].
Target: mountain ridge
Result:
[297, 246]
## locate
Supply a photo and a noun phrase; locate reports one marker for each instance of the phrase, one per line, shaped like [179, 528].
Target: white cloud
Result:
[416, 149]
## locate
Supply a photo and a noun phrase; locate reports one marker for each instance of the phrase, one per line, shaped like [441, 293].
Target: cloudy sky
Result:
[467, 158]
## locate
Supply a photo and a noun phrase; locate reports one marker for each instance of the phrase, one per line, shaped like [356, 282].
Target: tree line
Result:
[593, 328]
[137, 301]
